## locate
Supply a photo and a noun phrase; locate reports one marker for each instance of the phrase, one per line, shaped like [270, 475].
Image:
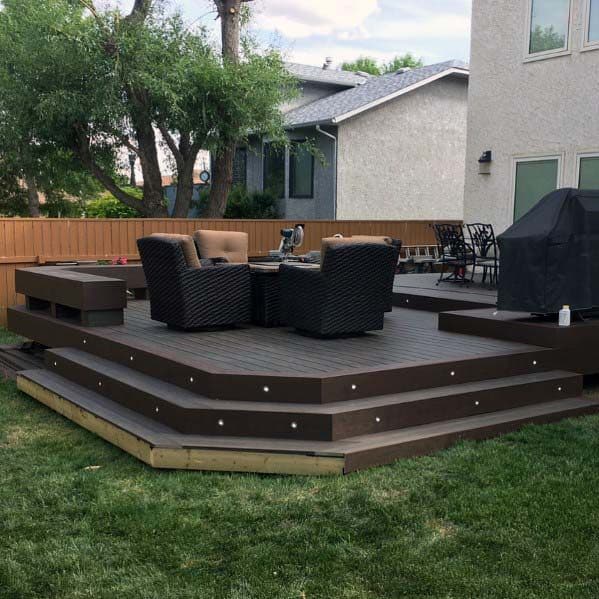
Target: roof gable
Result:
[377, 90]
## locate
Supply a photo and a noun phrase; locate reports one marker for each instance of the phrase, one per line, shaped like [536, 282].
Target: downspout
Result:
[331, 136]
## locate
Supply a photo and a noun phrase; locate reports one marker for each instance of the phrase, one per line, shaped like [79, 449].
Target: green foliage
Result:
[254, 205]
[400, 62]
[365, 64]
[543, 39]
[108, 206]
[74, 86]
[511, 518]
[13, 198]
[59, 206]
[370, 65]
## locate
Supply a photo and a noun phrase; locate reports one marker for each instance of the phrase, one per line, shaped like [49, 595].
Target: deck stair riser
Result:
[193, 414]
[162, 447]
[292, 388]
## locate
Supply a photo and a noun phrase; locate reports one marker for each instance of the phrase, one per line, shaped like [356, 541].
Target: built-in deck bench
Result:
[92, 295]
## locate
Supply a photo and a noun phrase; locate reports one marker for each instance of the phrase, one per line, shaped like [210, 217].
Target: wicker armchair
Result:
[348, 295]
[187, 297]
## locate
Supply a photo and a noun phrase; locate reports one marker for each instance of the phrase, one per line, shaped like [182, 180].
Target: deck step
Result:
[163, 447]
[191, 413]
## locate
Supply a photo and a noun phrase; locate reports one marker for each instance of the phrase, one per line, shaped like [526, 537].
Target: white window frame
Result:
[579, 158]
[533, 158]
[528, 57]
[586, 26]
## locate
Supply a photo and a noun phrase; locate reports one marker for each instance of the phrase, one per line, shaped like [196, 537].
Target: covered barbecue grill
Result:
[550, 257]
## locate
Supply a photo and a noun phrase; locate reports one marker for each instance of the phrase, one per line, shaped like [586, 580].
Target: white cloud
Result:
[313, 17]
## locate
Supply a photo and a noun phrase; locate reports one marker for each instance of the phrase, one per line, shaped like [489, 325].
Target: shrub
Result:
[255, 205]
[108, 206]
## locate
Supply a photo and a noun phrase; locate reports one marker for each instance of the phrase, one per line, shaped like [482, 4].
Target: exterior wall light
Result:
[484, 163]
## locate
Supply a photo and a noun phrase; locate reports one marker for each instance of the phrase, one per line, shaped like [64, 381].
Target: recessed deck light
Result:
[157, 409]
[191, 379]
[131, 358]
[452, 373]
[477, 403]
[377, 419]
[265, 389]
[294, 425]
[354, 387]
[55, 364]
[559, 388]
[84, 341]
[99, 383]
[534, 362]
[221, 422]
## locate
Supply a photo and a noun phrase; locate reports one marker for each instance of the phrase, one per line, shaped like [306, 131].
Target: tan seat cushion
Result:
[232, 245]
[187, 245]
[373, 239]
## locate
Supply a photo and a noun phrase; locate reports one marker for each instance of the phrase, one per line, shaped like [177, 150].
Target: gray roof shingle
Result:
[307, 72]
[327, 109]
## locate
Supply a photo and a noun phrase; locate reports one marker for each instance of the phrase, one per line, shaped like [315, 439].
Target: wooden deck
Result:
[275, 401]
[421, 292]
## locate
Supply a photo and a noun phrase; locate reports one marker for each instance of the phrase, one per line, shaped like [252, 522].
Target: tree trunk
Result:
[33, 197]
[229, 12]
[184, 187]
[222, 182]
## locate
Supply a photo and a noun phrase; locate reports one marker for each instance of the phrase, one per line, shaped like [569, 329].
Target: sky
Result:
[308, 31]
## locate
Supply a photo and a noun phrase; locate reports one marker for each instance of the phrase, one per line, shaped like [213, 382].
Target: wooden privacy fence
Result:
[29, 242]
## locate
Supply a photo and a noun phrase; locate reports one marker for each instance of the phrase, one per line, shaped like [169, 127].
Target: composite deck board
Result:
[409, 336]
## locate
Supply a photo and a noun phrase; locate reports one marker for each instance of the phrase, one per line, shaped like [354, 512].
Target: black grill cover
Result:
[550, 257]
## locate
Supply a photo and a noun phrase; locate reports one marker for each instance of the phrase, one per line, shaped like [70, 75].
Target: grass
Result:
[515, 517]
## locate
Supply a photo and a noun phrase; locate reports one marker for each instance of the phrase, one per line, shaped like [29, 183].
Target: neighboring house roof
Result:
[319, 75]
[377, 90]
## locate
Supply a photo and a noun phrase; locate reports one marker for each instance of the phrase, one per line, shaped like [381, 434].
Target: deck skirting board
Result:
[179, 457]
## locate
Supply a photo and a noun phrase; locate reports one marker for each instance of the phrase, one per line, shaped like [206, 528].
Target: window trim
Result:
[579, 157]
[292, 174]
[533, 158]
[588, 44]
[528, 57]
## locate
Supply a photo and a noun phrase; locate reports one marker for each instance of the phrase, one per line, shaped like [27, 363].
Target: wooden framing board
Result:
[180, 457]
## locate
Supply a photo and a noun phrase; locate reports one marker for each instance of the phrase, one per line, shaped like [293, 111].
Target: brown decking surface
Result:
[425, 286]
[409, 336]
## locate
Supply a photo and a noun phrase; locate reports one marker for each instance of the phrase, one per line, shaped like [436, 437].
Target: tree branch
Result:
[83, 151]
[172, 144]
[140, 11]
[127, 143]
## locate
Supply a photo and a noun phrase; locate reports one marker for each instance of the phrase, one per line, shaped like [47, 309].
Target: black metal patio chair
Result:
[187, 296]
[486, 251]
[454, 252]
[349, 295]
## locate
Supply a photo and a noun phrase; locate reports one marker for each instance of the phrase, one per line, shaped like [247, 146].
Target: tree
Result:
[364, 64]
[369, 65]
[407, 60]
[121, 80]
[546, 38]
[230, 15]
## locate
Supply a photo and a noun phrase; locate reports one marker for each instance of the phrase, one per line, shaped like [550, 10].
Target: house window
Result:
[301, 171]
[549, 26]
[592, 25]
[240, 167]
[588, 171]
[274, 170]
[535, 178]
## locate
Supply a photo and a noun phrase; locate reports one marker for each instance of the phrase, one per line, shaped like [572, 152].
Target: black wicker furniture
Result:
[349, 295]
[190, 297]
[486, 251]
[455, 253]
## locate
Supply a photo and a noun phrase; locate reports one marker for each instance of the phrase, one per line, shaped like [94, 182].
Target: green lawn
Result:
[516, 517]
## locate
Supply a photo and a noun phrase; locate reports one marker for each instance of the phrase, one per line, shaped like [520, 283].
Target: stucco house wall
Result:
[425, 130]
[521, 108]
[322, 204]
